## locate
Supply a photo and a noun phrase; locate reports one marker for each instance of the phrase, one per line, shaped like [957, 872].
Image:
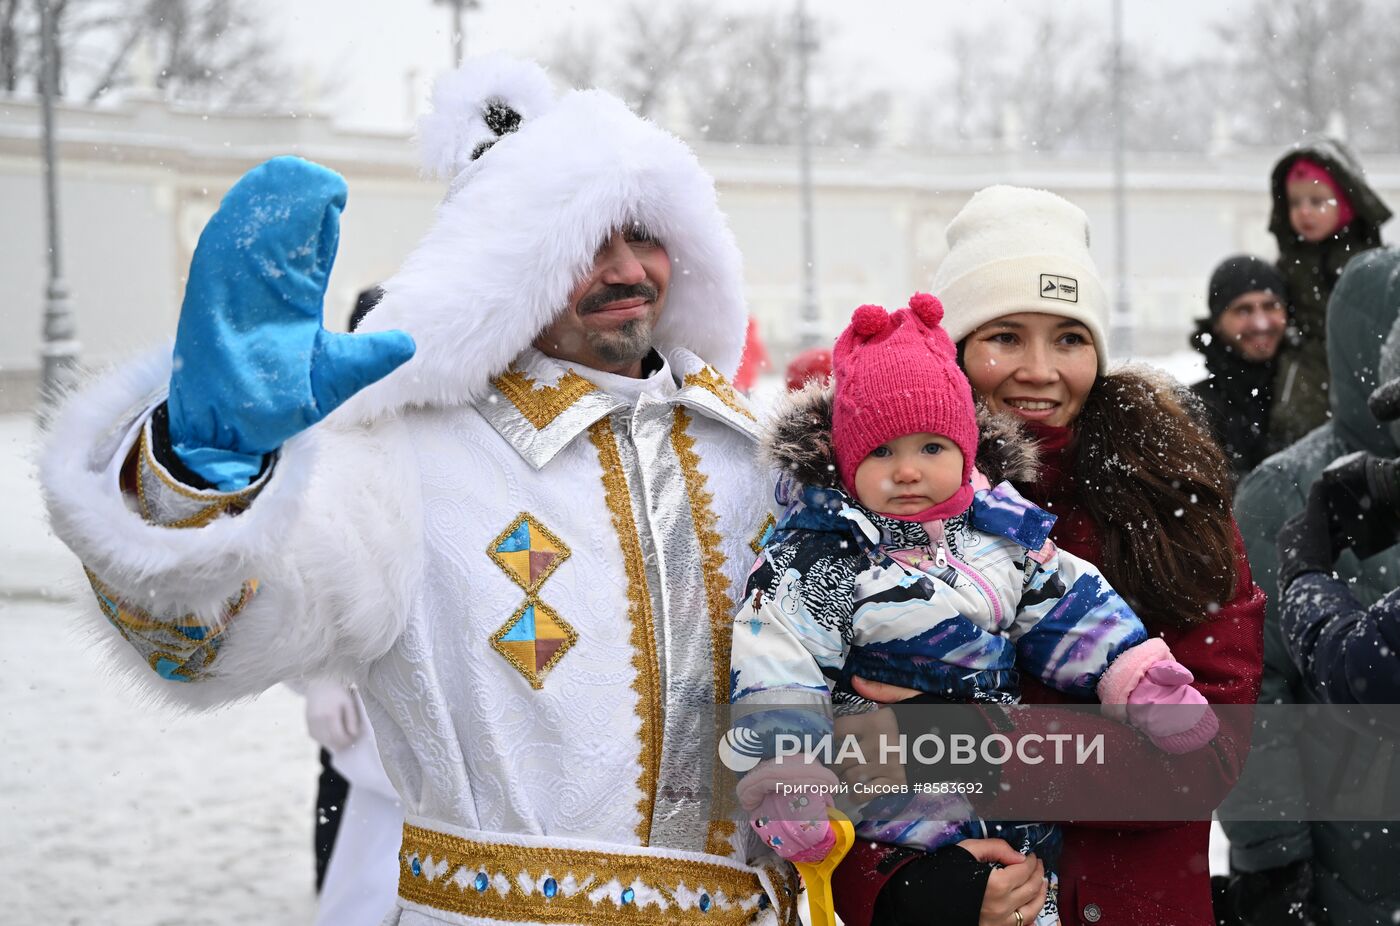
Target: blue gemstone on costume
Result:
[705, 903]
[481, 881]
[416, 867]
[776, 842]
[551, 887]
[763, 902]
[628, 895]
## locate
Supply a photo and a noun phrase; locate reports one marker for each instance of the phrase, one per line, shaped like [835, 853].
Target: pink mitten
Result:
[787, 807]
[1175, 716]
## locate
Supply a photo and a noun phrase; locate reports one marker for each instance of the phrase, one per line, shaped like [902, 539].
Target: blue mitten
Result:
[253, 365]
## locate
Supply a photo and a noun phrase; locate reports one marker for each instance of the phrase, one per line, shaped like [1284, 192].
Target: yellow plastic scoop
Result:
[817, 875]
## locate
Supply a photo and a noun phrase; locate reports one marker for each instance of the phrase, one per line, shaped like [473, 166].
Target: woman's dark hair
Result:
[1145, 468]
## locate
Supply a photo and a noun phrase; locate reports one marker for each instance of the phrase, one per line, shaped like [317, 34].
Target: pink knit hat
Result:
[1303, 169]
[898, 374]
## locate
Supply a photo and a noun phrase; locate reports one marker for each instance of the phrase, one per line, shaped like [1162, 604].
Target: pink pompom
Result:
[870, 320]
[927, 308]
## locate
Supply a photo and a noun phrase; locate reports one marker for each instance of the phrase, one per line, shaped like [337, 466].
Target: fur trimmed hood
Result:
[523, 219]
[797, 441]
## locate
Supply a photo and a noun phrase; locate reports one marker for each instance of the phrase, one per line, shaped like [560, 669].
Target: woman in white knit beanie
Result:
[1014, 250]
[1141, 489]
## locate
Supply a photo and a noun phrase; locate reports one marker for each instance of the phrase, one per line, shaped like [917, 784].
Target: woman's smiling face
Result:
[1040, 367]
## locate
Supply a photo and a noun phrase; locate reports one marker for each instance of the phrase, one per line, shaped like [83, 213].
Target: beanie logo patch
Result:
[1065, 289]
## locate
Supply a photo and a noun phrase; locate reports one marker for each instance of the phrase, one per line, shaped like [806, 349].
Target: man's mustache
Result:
[617, 292]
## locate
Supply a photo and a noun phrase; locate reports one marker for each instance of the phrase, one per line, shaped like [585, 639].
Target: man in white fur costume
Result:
[524, 543]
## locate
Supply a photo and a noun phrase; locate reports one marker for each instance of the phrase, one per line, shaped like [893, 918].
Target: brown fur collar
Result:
[798, 441]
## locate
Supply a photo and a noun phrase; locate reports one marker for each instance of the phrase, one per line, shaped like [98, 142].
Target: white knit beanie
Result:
[1013, 249]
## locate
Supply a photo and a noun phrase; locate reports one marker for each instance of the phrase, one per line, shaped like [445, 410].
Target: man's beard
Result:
[630, 341]
[627, 343]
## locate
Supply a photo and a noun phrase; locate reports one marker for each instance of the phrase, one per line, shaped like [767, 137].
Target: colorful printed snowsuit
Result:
[840, 591]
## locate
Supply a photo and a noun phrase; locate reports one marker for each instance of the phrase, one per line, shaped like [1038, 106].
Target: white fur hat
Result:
[1013, 249]
[538, 184]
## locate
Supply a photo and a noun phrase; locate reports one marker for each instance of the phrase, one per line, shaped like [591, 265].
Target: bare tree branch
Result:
[118, 61]
[9, 46]
[735, 75]
[1294, 64]
[214, 52]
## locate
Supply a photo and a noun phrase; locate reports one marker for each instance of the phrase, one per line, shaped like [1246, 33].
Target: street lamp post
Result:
[1121, 319]
[59, 352]
[459, 40]
[809, 333]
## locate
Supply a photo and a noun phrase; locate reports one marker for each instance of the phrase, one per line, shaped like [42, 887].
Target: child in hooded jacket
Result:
[905, 566]
[1324, 214]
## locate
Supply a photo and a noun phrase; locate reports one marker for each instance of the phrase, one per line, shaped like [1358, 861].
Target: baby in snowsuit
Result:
[905, 566]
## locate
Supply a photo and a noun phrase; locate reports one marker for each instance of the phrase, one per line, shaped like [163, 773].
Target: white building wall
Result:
[138, 181]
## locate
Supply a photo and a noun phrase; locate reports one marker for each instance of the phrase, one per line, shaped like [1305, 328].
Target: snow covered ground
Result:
[116, 812]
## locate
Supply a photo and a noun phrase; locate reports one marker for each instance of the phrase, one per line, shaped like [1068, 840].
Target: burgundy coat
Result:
[1128, 874]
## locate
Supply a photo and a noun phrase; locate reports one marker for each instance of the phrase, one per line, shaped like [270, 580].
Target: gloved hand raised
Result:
[1306, 542]
[1362, 492]
[253, 364]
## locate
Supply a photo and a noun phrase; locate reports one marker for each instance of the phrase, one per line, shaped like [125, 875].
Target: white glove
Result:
[332, 715]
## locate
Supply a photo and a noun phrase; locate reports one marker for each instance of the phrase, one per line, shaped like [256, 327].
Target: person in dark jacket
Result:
[1324, 214]
[1239, 341]
[1297, 871]
[1345, 651]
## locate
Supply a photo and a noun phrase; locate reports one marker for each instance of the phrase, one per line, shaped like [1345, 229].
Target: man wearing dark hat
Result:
[1239, 340]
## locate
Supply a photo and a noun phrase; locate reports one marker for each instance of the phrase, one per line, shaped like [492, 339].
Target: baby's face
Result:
[909, 474]
[1312, 209]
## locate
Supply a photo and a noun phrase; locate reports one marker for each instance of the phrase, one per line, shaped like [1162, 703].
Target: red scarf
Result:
[1054, 491]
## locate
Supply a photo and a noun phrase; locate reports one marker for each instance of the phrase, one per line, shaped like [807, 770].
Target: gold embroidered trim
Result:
[647, 682]
[717, 842]
[214, 505]
[523, 651]
[710, 380]
[588, 884]
[769, 522]
[542, 404]
[515, 651]
[554, 545]
[185, 645]
[788, 884]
